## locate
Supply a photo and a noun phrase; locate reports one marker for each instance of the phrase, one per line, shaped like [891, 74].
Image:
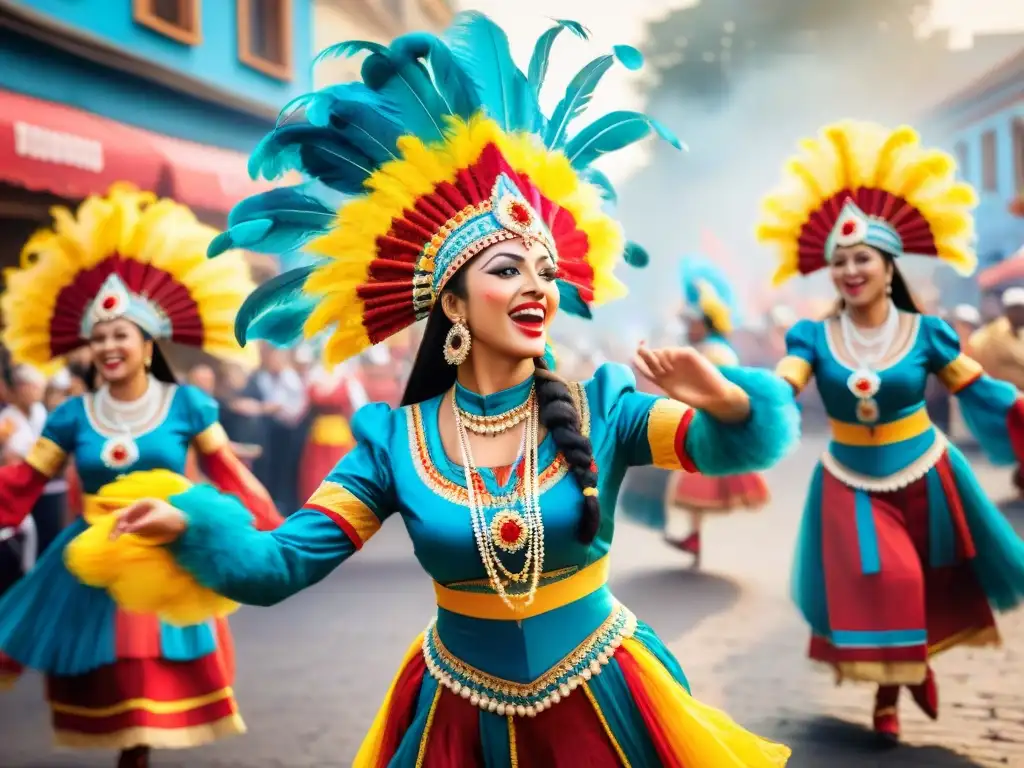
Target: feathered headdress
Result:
[862, 183]
[441, 150]
[708, 292]
[124, 255]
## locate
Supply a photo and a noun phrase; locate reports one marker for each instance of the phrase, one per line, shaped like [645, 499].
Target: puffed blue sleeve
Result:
[201, 411]
[222, 550]
[992, 409]
[647, 429]
[797, 367]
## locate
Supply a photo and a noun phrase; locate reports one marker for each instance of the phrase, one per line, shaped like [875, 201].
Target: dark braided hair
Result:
[561, 418]
[432, 376]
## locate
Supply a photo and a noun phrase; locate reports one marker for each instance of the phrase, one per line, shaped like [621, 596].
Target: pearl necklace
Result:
[533, 561]
[879, 343]
[499, 423]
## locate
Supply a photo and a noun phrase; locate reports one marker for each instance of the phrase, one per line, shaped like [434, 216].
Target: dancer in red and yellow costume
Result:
[901, 555]
[123, 274]
[334, 395]
[710, 314]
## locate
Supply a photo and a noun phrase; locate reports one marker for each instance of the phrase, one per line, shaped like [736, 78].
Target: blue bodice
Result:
[902, 440]
[185, 412]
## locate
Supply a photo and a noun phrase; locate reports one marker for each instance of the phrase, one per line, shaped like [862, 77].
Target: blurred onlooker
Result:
[334, 395]
[379, 376]
[999, 346]
[283, 397]
[241, 411]
[58, 389]
[21, 424]
[203, 377]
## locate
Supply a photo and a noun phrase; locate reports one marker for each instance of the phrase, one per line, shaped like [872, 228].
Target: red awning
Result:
[1006, 270]
[205, 177]
[51, 147]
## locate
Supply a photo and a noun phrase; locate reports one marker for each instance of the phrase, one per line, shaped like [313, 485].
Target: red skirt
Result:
[906, 593]
[701, 493]
[148, 702]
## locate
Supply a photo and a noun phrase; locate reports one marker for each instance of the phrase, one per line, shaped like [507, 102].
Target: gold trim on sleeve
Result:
[662, 430]
[795, 370]
[341, 504]
[46, 457]
[959, 373]
[211, 439]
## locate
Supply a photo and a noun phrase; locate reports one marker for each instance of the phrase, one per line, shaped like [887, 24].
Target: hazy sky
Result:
[609, 25]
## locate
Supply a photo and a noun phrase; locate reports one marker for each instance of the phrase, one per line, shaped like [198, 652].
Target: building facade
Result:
[983, 126]
[171, 95]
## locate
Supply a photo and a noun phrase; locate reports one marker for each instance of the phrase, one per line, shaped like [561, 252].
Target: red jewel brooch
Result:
[509, 531]
[119, 453]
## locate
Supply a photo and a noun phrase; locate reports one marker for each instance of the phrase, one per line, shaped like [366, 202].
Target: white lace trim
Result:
[894, 482]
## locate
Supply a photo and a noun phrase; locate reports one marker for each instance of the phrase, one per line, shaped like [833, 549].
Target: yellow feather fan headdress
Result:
[859, 182]
[126, 255]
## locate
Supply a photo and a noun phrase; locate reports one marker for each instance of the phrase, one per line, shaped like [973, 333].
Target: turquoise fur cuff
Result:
[766, 436]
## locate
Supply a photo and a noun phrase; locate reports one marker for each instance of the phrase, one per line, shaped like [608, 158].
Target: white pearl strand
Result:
[128, 416]
[531, 504]
[880, 344]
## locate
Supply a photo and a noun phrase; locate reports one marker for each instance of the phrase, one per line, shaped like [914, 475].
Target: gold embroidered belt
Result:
[906, 428]
[506, 697]
[549, 597]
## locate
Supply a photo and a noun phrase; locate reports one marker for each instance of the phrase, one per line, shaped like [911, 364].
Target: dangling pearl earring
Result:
[888, 289]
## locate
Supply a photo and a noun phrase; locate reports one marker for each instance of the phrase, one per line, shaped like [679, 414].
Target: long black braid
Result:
[561, 418]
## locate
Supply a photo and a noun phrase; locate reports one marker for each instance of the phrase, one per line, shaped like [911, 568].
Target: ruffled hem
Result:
[638, 712]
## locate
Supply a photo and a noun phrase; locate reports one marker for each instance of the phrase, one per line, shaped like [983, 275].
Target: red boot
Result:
[887, 719]
[691, 545]
[926, 695]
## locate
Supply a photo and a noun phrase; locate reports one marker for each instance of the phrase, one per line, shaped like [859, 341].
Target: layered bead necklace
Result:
[529, 499]
[868, 351]
[124, 420]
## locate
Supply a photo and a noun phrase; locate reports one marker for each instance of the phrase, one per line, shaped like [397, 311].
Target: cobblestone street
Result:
[313, 670]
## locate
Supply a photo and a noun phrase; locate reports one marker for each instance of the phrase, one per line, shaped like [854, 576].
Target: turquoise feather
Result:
[347, 49]
[276, 221]
[542, 51]
[453, 84]
[603, 183]
[569, 300]
[481, 48]
[635, 256]
[320, 152]
[277, 310]
[581, 90]
[363, 118]
[613, 132]
[406, 83]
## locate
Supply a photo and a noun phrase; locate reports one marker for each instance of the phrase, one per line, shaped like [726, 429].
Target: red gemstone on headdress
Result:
[848, 228]
[119, 453]
[110, 302]
[510, 531]
[520, 213]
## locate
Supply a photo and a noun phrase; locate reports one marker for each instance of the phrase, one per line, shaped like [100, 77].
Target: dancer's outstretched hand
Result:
[684, 374]
[151, 518]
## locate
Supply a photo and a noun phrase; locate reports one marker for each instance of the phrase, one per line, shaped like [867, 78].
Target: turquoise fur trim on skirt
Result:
[51, 622]
[766, 436]
[999, 564]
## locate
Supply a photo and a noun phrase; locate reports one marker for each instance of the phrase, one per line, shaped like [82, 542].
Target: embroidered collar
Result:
[499, 402]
